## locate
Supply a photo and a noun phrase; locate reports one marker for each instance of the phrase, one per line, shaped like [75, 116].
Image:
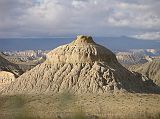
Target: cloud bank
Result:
[37, 18]
[149, 36]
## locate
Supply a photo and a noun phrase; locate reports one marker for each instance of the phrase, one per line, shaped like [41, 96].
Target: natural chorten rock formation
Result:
[79, 67]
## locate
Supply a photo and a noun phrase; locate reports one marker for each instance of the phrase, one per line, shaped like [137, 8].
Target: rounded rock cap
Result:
[82, 39]
[81, 50]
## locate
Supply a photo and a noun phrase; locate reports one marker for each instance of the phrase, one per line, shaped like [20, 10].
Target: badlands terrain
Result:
[81, 79]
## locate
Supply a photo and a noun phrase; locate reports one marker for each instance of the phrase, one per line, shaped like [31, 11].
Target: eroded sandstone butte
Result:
[82, 66]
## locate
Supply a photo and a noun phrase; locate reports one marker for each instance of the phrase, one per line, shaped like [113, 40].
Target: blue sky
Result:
[49, 18]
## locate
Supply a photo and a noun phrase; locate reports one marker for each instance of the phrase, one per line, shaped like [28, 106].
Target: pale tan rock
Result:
[79, 67]
[150, 69]
[81, 50]
[6, 78]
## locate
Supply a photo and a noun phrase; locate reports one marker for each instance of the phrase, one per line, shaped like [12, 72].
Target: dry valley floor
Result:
[59, 106]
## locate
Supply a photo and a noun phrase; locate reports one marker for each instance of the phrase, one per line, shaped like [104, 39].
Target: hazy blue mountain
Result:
[114, 43]
[125, 43]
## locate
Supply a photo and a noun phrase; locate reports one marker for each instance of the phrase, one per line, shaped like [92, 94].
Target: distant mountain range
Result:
[114, 43]
[137, 56]
[125, 43]
[25, 56]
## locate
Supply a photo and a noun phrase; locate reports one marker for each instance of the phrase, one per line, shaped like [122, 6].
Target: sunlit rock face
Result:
[81, 50]
[80, 67]
[150, 69]
[6, 78]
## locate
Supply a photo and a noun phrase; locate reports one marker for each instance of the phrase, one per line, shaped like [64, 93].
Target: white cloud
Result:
[134, 16]
[79, 4]
[149, 36]
[61, 17]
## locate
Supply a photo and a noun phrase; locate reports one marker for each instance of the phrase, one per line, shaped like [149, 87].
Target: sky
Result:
[64, 18]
